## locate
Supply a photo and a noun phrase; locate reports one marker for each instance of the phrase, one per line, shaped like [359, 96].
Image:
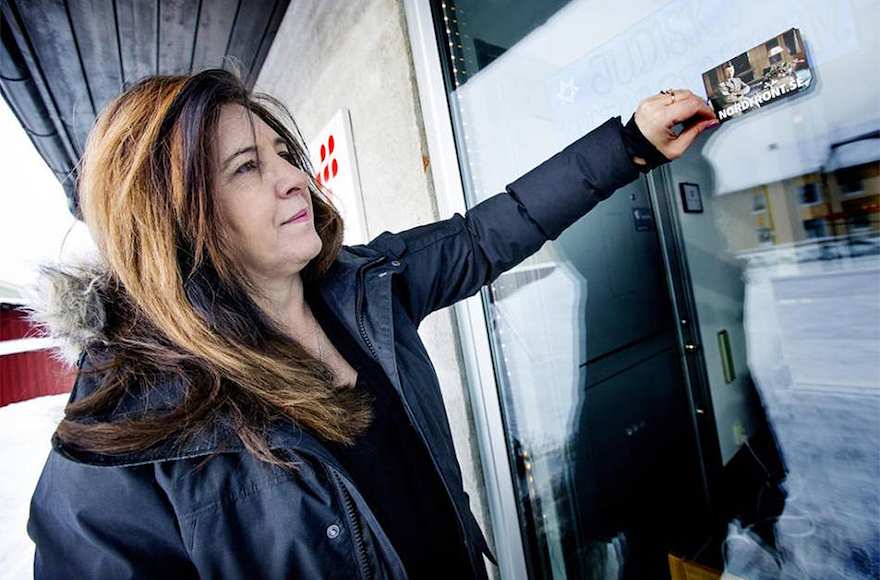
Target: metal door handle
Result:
[726, 356]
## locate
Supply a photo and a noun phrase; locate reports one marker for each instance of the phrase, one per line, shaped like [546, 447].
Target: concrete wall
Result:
[336, 53]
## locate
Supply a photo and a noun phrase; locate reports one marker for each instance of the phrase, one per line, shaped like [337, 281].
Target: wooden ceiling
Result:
[62, 61]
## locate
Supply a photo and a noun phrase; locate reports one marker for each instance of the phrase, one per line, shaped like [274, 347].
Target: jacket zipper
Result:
[409, 413]
[354, 524]
[359, 305]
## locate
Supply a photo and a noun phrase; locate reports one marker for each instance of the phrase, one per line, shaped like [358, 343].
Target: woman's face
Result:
[258, 206]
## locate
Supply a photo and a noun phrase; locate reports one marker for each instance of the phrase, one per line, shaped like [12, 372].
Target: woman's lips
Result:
[299, 216]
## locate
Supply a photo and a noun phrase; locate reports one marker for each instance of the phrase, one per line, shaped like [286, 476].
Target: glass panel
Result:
[619, 460]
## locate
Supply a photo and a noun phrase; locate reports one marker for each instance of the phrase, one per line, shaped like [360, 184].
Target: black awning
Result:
[62, 62]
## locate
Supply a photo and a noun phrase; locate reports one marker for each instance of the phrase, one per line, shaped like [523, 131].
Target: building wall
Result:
[335, 53]
[27, 374]
[785, 215]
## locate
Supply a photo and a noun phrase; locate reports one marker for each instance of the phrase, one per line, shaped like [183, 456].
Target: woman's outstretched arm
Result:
[451, 259]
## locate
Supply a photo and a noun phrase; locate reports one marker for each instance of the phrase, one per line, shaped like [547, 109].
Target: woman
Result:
[253, 399]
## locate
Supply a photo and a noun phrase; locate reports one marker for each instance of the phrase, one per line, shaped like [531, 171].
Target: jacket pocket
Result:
[251, 524]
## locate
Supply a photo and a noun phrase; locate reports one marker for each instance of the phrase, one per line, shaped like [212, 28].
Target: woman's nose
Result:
[290, 183]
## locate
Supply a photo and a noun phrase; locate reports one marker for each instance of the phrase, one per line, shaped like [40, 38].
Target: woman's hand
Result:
[656, 116]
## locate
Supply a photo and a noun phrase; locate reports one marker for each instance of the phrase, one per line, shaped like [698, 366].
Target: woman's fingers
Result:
[658, 114]
[680, 144]
[685, 109]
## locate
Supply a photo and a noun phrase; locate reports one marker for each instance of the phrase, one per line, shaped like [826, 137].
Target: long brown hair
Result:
[184, 309]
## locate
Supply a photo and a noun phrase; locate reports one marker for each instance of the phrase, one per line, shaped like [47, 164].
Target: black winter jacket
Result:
[150, 515]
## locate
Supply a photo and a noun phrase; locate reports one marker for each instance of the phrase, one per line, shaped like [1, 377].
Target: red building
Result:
[27, 368]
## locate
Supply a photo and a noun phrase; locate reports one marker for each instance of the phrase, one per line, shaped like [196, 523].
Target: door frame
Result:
[662, 192]
[471, 314]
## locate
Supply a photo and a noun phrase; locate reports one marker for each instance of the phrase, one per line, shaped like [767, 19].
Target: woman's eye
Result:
[246, 167]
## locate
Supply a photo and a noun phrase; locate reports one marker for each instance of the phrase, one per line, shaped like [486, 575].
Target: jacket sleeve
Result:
[452, 259]
[103, 523]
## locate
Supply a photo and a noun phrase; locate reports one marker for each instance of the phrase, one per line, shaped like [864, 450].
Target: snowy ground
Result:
[25, 431]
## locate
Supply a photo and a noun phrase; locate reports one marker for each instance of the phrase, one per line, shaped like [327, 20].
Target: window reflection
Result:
[813, 336]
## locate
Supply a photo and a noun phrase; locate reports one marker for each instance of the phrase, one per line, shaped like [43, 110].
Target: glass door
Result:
[692, 369]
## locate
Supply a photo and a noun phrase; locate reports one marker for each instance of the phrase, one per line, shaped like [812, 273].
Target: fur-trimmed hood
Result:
[69, 303]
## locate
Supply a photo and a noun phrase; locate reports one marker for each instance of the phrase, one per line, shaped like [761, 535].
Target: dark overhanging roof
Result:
[62, 62]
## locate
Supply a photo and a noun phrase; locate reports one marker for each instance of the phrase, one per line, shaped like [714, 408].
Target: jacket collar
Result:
[68, 302]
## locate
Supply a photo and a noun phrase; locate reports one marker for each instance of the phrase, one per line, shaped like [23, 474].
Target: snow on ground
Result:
[25, 432]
